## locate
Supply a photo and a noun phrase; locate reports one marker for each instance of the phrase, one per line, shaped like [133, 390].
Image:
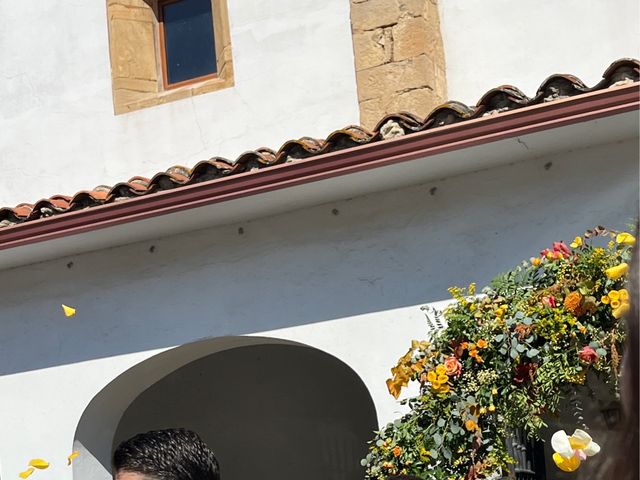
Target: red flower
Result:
[562, 248]
[524, 372]
[559, 250]
[588, 354]
[549, 301]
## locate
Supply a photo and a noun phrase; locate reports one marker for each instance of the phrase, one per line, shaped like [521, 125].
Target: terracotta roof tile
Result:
[495, 101]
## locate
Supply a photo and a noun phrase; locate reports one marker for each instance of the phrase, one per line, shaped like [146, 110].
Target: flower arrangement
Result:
[506, 359]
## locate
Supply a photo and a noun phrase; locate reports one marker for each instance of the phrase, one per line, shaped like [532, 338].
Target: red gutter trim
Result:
[480, 131]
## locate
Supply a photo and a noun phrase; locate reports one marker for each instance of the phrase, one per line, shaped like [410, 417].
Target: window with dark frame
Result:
[187, 45]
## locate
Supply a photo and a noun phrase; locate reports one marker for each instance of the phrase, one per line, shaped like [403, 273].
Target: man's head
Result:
[173, 454]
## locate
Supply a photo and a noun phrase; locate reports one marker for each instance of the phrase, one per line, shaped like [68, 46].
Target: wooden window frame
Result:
[138, 77]
[163, 52]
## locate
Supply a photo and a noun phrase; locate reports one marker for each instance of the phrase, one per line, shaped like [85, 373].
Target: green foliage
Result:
[505, 360]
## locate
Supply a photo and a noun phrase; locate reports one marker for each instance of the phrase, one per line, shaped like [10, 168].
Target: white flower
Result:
[570, 451]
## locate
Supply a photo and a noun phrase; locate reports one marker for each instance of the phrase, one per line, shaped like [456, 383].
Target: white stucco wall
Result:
[294, 76]
[496, 42]
[349, 284]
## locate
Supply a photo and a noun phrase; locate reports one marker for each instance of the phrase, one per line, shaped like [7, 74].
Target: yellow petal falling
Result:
[39, 463]
[27, 473]
[71, 456]
[68, 311]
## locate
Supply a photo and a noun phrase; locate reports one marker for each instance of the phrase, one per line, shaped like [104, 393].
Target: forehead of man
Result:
[131, 476]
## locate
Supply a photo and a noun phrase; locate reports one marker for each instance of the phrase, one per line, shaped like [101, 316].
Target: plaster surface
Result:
[501, 42]
[294, 76]
[350, 284]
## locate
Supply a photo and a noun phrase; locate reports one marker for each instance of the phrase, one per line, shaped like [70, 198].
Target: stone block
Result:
[371, 111]
[133, 49]
[419, 102]
[372, 48]
[410, 38]
[384, 80]
[374, 14]
[413, 8]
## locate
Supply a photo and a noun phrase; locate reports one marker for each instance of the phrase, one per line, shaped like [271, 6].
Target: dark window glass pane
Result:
[188, 38]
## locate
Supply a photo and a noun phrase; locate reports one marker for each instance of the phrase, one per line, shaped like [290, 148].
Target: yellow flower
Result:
[444, 388]
[432, 376]
[535, 261]
[615, 304]
[621, 311]
[436, 385]
[624, 294]
[625, 238]
[571, 451]
[617, 272]
[614, 295]
[394, 388]
[424, 454]
[577, 242]
[549, 255]
[582, 329]
[442, 379]
[482, 343]
[494, 391]
[605, 299]
[483, 411]
[441, 370]
[492, 408]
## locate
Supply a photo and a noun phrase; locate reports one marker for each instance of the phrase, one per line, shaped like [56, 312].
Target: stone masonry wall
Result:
[399, 57]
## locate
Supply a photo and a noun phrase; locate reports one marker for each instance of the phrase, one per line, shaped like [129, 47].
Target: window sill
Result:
[150, 99]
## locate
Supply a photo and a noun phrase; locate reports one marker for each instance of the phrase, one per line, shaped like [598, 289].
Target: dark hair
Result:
[622, 463]
[172, 454]
[626, 467]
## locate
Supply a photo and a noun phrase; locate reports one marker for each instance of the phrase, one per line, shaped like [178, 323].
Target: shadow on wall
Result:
[381, 252]
[269, 409]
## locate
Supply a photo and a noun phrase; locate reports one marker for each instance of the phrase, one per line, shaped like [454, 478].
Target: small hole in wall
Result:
[548, 165]
[152, 248]
[433, 190]
[241, 231]
[335, 211]
[70, 265]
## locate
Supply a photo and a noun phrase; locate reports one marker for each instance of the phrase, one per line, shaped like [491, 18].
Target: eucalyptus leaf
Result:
[513, 353]
[520, 348]
[533, 352]
[441, 422]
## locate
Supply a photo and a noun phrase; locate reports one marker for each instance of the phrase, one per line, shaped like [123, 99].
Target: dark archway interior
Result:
[280, 412]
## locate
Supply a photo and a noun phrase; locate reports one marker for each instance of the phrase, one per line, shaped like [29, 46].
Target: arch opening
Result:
[269, 409]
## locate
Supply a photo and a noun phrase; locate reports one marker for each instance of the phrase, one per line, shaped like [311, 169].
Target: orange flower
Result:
[470, 425]
[397, 451]
[573, 303]
[476, 355]
[482, 343]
